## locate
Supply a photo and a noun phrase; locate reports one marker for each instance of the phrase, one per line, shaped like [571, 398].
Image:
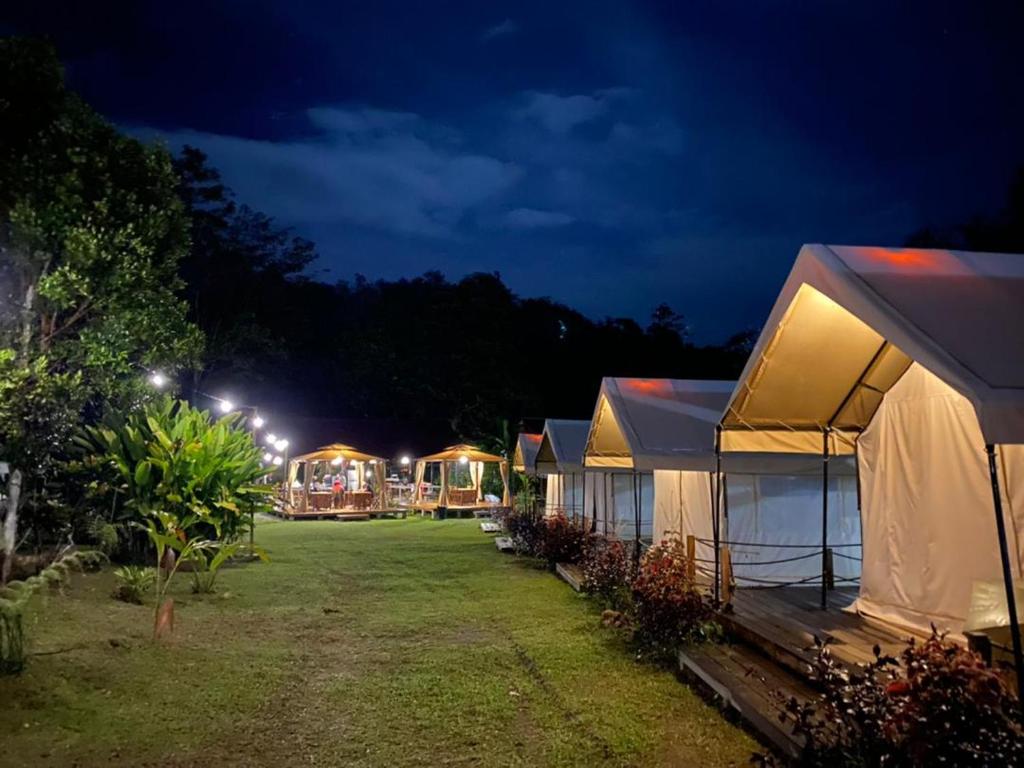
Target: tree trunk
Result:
[10, 531]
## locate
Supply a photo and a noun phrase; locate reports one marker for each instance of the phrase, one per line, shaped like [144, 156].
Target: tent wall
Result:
[683, 506]
[620, 515]
[780, 516]
[929, 524]
[553, 494]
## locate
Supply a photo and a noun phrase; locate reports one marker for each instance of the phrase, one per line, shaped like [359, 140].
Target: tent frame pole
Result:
[636, 523]
[825, 435]
[716, 508]
[1004, 556]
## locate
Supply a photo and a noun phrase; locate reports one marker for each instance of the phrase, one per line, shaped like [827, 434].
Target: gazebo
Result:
[335, 478]
[459, 498]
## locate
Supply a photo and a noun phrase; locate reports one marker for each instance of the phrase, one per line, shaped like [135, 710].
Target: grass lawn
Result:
[390, 643]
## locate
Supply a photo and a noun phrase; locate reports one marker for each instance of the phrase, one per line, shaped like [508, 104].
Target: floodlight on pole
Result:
[281, 444]
[271, 438]
[278, 461]
[225, 405]
[268, 457]
[258, 422]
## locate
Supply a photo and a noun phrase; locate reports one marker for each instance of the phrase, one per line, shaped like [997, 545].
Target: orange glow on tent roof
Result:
[653, 387]
[531, 437]
[903, 257]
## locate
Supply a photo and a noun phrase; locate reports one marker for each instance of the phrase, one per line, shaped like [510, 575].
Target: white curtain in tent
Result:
[683, 507]
[776, 518]
[552, 494]
[927, 506]
[621, 517]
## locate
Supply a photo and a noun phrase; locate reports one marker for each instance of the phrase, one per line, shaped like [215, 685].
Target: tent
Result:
[525, 456]
[912, 361]
[560, 459]
[448, 496]
[335, 459]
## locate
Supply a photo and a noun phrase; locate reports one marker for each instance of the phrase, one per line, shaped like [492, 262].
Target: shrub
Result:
[133, 582]
[105, 535]
[937, 704]
[668, 609]
[526, 530]
[562, 541]
[206, 566]
[606, 571]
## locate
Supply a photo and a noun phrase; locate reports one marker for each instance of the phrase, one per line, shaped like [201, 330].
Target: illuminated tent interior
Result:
[525, 456]
[337, 477]
[560, 459]
[913, 361]
[458, 476]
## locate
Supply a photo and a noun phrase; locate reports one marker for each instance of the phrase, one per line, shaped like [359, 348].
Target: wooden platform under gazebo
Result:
[451, 497]
[337, 482]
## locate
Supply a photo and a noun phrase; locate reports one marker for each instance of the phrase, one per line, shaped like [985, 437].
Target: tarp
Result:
[525, 457]
[564, 494]
[649, 424]
[913, 359]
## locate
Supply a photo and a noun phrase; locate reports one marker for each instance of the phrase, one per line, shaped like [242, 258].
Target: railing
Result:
[723, 576]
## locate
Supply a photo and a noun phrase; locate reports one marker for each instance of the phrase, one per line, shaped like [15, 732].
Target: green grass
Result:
[391, 643]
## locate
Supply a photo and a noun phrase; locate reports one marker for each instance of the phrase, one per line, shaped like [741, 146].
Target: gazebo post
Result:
[1004, 556]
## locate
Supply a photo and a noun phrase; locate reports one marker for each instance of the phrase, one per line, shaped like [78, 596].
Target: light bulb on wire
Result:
[225, 405]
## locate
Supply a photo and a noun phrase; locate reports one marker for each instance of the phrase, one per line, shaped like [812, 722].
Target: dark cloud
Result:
[613, 156]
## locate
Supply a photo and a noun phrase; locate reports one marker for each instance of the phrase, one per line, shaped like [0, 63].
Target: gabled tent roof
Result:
[848, 323]
[457, 452]
[648, 424]
[525, 457]
[562, 446]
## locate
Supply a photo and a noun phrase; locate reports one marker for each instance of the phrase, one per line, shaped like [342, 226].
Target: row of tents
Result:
[874, 438]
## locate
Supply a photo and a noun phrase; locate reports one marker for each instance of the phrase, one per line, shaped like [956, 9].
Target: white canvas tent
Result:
[560, 459]
[524, 458]
[911, 359]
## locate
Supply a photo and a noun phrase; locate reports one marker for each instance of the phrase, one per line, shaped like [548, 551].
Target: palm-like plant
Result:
[192, 481]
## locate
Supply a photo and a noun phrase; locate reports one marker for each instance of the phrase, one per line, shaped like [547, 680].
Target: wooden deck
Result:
[571, 575]
[771, 646]
[338, 514]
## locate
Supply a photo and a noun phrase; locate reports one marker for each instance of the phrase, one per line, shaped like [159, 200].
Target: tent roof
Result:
[525, 457]
[651, 424]
[562, 446]
[337, 451]
[456, 452]
[848, 323]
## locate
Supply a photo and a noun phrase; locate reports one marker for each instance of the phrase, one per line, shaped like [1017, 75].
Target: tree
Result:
[91, 233]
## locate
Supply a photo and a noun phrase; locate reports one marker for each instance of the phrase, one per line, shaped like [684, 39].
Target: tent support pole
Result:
[826, 433]
[716, 504]
[1004, 555]
[636, 524]
[574, 496]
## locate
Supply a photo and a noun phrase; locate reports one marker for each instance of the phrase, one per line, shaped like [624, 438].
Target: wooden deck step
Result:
[504, 544]
[750, 684]
[786, 645]
[571, 575]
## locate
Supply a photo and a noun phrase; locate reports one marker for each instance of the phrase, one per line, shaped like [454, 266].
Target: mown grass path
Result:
[392, 643]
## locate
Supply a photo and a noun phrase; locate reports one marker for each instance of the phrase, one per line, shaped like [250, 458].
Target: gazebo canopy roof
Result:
[525, 458]
[457, 452]
[337, 451]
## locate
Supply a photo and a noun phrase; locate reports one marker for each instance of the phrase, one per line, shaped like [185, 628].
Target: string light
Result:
[157, 379]
[225, 405]
[337, 462]
[463, 459]
[404, 461]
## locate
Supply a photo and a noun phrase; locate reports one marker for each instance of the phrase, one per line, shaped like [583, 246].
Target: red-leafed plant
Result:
[937, 704]
[606, 572]
[562, 541]
[668, 608]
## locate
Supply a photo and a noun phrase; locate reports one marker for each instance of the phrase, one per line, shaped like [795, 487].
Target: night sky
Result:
[609, 155]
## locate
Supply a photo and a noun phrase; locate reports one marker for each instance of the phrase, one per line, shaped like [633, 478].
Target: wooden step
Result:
[753, 686]
[571, 575]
